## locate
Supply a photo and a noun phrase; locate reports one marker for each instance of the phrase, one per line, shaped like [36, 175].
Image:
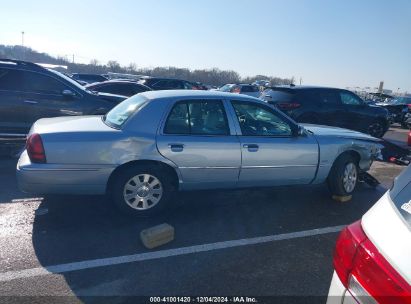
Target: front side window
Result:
[350, 99]
[41, 84]
[197, 118]
[258, 120]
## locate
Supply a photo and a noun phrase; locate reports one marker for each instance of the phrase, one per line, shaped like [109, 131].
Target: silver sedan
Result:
[157, 143]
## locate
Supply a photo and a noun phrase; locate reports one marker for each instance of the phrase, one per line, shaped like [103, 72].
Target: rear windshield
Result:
[401, 195]
[281, 95]
[123, 111]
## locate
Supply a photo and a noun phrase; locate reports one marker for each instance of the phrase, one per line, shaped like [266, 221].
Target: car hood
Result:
[111, 97]
[70, 124]
[320, 130]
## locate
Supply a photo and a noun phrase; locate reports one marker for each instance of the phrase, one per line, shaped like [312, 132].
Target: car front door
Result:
[272, 153]
[43, 96]
[354, 114]
[198, 138]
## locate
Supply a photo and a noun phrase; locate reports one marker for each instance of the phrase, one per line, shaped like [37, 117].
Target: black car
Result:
[88, 78]
[156, 84]
[399, 109]
[120, 87]
[329, 106]
[29, 92]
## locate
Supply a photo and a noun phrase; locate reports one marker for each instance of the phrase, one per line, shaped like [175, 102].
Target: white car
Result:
[246, 89]
[372, 259]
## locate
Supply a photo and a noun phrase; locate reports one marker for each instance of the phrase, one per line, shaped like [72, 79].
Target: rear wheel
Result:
[343, 177]
[141, 190]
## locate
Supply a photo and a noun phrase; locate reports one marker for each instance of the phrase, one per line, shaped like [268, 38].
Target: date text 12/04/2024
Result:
[239, 299]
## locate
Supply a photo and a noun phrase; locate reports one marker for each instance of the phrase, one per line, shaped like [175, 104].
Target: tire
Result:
[376, 129]
[141, 190]
[342, 181]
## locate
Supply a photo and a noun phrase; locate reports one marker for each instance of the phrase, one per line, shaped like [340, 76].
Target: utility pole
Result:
[73, 58]
[22, 38]
[301, 80]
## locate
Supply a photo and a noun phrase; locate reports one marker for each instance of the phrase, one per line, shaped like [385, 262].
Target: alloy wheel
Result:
[143, 191]
[350, 177]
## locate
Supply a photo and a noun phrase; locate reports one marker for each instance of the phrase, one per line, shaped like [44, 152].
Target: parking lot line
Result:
[139, 257]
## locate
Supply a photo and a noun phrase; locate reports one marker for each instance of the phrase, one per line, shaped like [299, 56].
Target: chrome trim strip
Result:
[13, 134]
[249, 167]
[284, 166]
[209, 167]
[58, 169]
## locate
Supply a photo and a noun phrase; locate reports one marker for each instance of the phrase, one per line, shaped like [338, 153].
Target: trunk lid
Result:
[70, 124]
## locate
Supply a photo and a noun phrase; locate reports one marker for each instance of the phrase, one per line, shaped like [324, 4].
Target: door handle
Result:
[176, 147]
[251, 147]
[31, 101]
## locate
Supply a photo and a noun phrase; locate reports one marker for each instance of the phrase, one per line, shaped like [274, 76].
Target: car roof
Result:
[302, 87]
[159, 78]
[196, 94]
[22, 65]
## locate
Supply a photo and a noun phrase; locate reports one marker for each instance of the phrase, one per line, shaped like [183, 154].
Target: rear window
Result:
[123, 111]
[401, 195]
[248, 89]
[281, 95]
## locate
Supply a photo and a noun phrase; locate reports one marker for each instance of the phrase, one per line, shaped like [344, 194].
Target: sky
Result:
[341, 43]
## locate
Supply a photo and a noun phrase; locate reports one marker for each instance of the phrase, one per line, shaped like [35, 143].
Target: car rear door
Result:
[272, 154]
[13, 111]
[323, 105]
[197, 136]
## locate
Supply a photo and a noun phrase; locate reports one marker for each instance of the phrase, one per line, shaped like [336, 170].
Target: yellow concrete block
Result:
[342, 199]
[157, 235]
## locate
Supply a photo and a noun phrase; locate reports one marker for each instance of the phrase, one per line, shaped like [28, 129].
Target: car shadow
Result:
[70, 229]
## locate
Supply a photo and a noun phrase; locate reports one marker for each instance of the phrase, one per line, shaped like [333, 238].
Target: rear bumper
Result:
[61, 179]
[338, 294]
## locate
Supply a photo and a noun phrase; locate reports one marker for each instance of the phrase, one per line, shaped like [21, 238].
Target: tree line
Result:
[213, 76]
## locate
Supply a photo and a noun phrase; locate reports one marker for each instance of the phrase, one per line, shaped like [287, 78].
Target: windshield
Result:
[72, 81]
[401, 195]
[123, 111]
[401, 100]
[226, 88]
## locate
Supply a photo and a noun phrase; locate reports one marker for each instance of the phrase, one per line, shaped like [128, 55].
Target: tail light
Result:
[365, 272]
[35, 149]
[409, 107]
[409, 138]
[288, 106]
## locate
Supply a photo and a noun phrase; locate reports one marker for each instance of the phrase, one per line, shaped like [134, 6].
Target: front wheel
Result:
[376, 129]
[141, 191]
[343, 177]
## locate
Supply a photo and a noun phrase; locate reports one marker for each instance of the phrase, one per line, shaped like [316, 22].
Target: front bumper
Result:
[61, 179]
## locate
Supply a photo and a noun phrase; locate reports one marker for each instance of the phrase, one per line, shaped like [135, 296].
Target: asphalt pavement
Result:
[254, 242]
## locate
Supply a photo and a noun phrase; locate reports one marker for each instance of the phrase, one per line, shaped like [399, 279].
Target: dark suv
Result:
[88, 78]
[29, 92]
[156, 83]
[329, 106]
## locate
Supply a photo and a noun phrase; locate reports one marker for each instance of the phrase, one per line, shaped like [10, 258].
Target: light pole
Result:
[22, 38]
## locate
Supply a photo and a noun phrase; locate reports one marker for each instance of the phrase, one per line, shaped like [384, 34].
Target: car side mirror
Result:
[68, 93]
[301, 131]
